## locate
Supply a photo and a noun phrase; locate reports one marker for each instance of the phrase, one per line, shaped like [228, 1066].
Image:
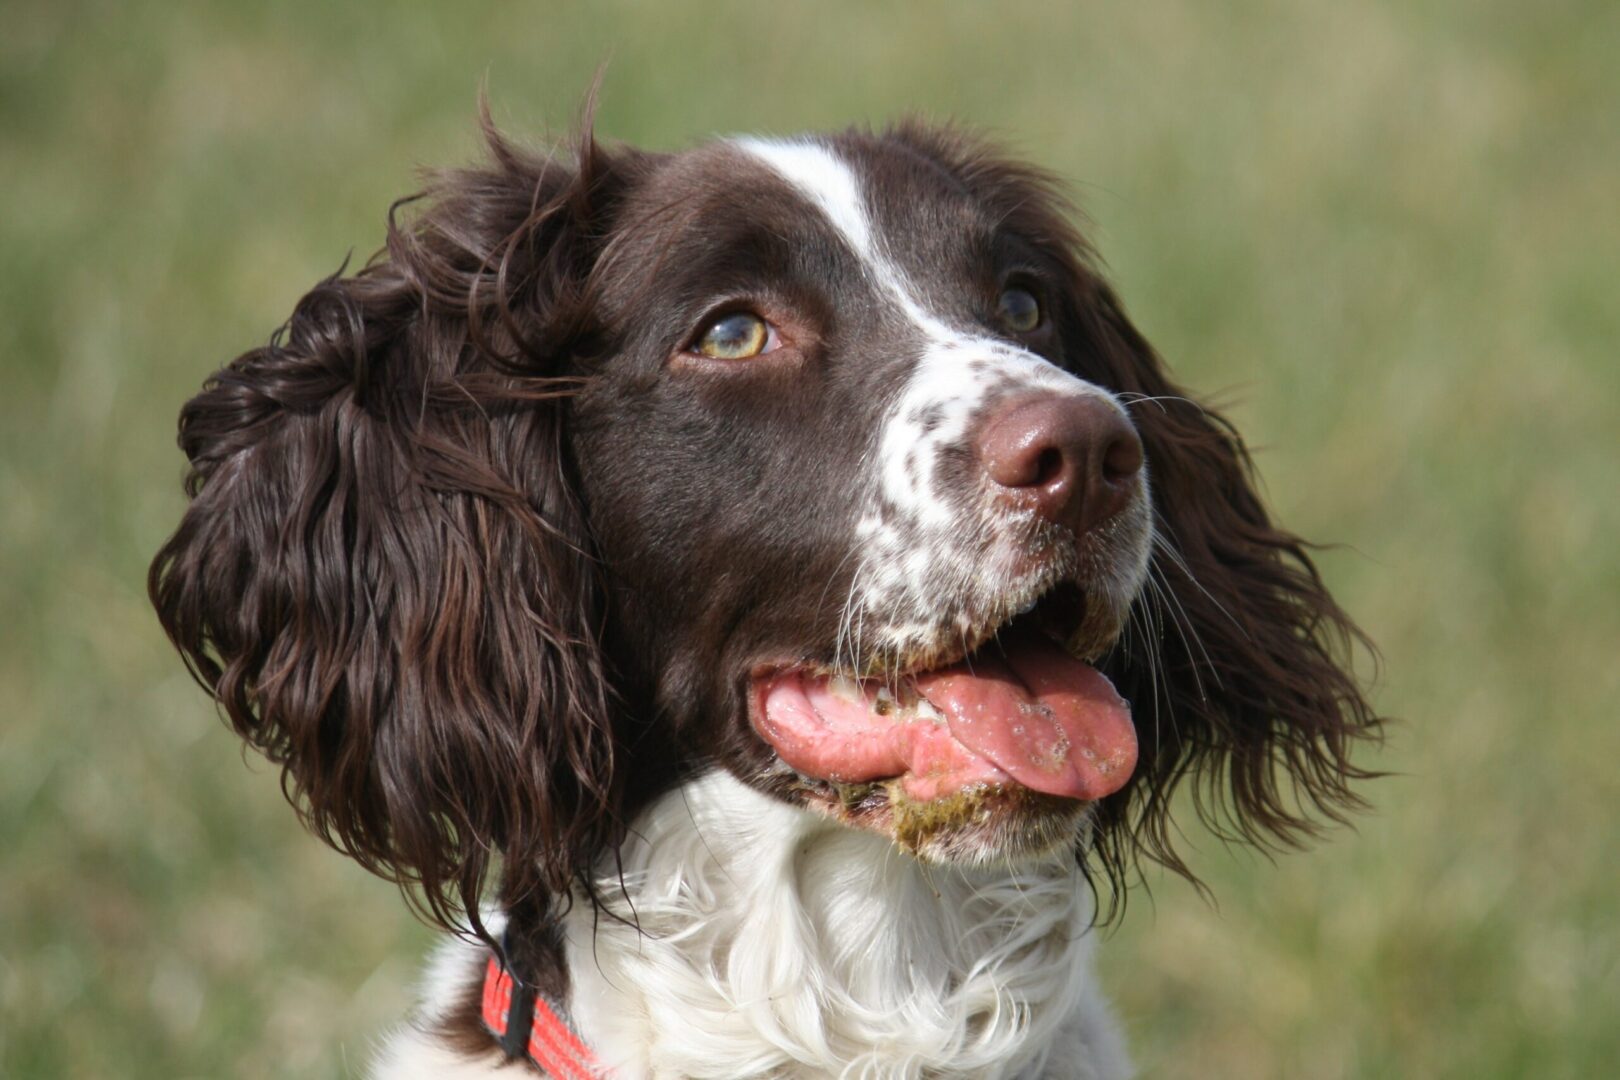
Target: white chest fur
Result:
[774, 943]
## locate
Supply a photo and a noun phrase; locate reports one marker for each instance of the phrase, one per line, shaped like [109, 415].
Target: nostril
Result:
[1122, 459]
[1048, 467]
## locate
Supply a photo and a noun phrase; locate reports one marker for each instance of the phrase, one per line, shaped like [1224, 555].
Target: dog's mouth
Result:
[1020, 713]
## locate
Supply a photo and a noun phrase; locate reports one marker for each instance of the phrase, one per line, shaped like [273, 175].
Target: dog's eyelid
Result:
[712, 311]
[1022, 276]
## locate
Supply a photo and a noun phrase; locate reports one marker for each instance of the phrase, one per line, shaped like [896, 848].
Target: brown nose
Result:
[1074, 459]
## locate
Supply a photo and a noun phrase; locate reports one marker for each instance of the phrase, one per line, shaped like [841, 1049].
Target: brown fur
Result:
[387, 578]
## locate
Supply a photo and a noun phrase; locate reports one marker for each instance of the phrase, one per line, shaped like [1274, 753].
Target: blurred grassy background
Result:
[1389, 230]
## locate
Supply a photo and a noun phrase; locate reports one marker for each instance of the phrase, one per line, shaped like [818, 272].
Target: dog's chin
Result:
[981, 825]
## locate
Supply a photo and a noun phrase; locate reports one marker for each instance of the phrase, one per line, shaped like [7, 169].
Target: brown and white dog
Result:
[776, 574]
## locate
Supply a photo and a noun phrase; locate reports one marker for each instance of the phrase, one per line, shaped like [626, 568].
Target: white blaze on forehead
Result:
[821, 176]
[827, 181]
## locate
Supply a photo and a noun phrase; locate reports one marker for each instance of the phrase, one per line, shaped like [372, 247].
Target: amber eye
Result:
[738, 336]
[1019, 310]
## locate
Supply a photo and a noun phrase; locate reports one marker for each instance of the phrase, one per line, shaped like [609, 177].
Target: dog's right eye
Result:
[1019, 310]
[740, 335]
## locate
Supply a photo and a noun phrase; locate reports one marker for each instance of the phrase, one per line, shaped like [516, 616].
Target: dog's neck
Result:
[761, 940]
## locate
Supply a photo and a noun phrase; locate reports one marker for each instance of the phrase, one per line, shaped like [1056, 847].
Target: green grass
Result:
[1388, 232]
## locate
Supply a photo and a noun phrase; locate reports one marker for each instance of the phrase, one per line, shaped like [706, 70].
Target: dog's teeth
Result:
[1030, 606]
[845, 688]
[926, 710]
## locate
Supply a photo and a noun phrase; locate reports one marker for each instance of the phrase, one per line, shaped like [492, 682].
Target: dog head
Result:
[831, 462]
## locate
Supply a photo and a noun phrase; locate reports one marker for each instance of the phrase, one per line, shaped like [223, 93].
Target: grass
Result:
[1385, 231]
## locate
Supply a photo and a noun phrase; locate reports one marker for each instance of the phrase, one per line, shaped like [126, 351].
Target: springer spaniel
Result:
[779, 577]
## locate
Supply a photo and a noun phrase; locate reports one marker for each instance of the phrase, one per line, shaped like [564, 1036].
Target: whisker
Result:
[1164, 543]
[1162, 600]
[1132, 398]
[849, 598]
[1185, 628]
[1152, 617]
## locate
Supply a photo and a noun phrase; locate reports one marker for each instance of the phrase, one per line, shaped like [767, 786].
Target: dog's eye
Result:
[1018, 310]
[738, 336]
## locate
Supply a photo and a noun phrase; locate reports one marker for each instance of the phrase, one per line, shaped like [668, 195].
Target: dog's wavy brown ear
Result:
[383, 575]
[1245, 682]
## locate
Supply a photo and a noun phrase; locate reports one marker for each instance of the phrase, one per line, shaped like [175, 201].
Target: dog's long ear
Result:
[1245, 683]
[384, 575]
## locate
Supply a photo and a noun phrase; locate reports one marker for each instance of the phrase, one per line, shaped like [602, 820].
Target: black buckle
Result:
[520, 1014]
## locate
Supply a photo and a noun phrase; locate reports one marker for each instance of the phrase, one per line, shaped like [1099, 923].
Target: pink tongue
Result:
[1052, 722]
[1037, 717]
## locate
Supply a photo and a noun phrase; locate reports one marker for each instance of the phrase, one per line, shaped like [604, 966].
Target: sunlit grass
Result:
[1386, 233]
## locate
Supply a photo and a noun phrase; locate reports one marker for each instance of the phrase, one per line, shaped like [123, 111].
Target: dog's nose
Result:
[1075, 459]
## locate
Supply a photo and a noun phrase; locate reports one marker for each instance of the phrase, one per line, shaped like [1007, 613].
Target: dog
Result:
[778, 578]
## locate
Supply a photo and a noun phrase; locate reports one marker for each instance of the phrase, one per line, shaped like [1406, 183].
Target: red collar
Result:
[552, 1044]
